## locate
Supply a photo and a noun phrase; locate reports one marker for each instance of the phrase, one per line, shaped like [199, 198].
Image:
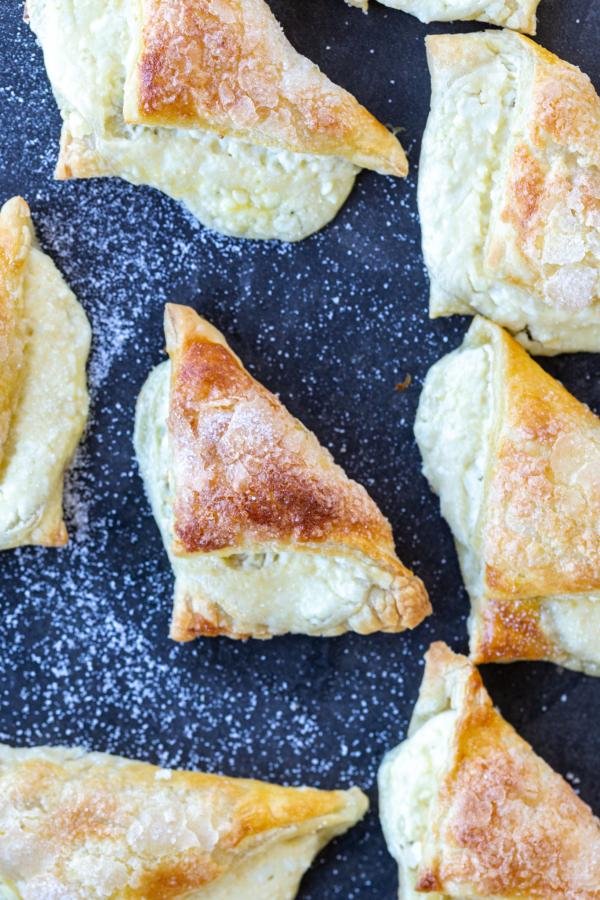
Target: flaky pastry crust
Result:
[228, 67]
[89, 826]
[526, 252]
[245, 478]
[15, 242]
[531, 560]
[501, 823]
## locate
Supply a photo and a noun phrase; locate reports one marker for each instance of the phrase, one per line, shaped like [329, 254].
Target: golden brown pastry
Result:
[89, 826]
[265, 533]
[208, 102]
[15, 242]
[517, 14]
[44, 343]
[515, 460]
[509, 189]
[469, 810]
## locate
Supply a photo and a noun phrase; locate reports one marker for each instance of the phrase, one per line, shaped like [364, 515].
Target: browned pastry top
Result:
[246, 471]
[226, 65]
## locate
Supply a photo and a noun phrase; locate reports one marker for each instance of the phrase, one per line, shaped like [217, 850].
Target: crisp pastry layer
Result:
[509, 190]
[515, 460]
[45, 343]
[89, 826]
[469, 810]
[266, 535]
[516, 14]
[250, 151]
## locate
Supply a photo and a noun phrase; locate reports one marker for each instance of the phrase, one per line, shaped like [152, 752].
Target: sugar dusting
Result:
[332, 325]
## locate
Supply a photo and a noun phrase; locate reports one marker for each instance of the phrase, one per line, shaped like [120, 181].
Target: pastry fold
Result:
[44, 344]
[509, 190]
[211, 104]
[89, 826]
[229, 68]
[515, 460]
[516, 14]
[469, 810]
[266, 534]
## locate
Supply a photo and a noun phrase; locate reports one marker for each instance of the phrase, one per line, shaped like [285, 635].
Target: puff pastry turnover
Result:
[469, 810]
[208, 102]
[517, 14]
[44, 344]
[509, 190]
[515, 460]
[88, 826]
[265, 533]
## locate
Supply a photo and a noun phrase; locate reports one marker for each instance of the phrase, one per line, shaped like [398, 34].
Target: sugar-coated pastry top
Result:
[89, 826]
[485, 817]
[227, 66]
[515, 459]
[15, 243]
[237, 172]
[245, 470]
[266, 534]
[509, 189]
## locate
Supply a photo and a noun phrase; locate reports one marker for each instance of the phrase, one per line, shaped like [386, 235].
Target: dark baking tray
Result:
[332, 324]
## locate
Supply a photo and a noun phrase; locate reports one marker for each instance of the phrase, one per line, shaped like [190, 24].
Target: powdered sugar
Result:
[331, 324]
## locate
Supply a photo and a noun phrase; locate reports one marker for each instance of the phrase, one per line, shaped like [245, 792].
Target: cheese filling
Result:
[273, 589]
[409, 780]
[51, 408]
[453, 431]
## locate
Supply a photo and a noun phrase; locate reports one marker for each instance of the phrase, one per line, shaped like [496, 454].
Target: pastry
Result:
[89, 826]
[517, 14]
[209, 103]
[44, 344]
[266, 535]
[469, 810]
[515, 460]
[509, 190]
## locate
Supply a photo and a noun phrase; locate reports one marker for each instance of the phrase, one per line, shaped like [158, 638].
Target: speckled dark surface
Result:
[331, 324]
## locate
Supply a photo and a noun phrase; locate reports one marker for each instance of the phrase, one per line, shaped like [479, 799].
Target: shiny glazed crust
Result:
[502, 822]
[88, 825]
[229, 68]
[533, 261]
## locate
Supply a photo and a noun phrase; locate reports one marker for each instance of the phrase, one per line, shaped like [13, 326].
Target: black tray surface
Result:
[331, 324]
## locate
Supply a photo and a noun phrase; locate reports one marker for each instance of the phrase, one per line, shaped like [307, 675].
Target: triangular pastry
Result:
[89, 826]
[516, 14]
[515, 460]
[44, 344]
[469, 810]
[509, 189]
[266, 534]
[210, 103]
